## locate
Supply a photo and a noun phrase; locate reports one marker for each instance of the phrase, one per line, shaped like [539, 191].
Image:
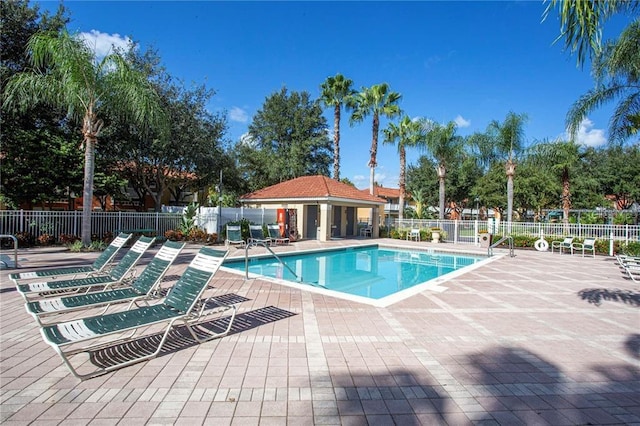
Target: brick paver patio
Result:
[540, 338]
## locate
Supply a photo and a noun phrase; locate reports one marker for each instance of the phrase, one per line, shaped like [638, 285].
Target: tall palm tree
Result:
[336, 91]
[407, 133]
[581, 23]
[377, 100]
[616, 70]
[560, 157]
[67, 75]
[443, 145]
[508, 141]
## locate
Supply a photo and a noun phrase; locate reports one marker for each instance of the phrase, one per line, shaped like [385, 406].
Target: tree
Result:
[67, 75]
[581, 22]
[421, 180]
[406, 133]
[377, 100]
[28, 174]
[443, 145]
[287, 139]
[184, 156]
[559, 157]
[336, 91]
[617, 73]
[508, 140]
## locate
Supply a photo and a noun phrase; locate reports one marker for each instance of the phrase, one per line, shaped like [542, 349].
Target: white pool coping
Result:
[434, 284]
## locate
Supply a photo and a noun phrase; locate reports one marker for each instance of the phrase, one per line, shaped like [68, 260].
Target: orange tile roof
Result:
[311, 187]
[381, 191]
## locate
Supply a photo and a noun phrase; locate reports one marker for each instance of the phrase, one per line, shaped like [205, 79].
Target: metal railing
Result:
[15, 251]
[500, 241]
[466, 231]
[265, 245]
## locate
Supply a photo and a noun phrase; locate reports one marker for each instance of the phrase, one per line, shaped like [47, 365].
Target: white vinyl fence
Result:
[466, 231]
[56, 223]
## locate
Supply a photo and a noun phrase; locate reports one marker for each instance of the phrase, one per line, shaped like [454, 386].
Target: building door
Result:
[351, 221]
[336, 226]
[311, 216]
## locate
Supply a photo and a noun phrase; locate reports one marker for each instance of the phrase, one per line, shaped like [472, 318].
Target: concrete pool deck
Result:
[540, 338]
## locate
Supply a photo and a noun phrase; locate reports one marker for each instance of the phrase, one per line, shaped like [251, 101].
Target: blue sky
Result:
[471, 62]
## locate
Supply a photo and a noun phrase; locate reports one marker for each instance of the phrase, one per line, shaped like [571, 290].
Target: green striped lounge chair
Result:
[234, 236]
[99, 266]
[182, 305]
[257, 235]
[117, 275]
[143, 288]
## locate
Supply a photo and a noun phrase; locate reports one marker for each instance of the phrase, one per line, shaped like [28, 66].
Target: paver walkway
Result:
[536, 339]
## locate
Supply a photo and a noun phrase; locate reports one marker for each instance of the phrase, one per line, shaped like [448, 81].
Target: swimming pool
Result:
[370, 274]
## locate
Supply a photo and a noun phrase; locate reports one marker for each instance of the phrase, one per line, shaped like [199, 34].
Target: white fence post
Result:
[611, 244]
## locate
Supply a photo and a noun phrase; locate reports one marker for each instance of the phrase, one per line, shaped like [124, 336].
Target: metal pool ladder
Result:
[265, 245]
[500, 241]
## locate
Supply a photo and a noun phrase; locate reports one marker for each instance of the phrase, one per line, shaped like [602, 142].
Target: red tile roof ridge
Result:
[315, 186]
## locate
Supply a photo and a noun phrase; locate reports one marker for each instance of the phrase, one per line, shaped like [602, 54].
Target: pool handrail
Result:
[15, 250]
[265, 245]
[497, 243]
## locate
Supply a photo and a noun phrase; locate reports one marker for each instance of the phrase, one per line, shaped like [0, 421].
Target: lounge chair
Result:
[589, 244]
[562, 244]
[274, 235]
[181, 306]
[116, 276]
[234, 236]
[97, 267]
[143, 287]
[257, 235]
[413, 234]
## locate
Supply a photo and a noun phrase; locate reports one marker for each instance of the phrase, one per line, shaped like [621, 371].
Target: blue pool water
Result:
[370, 272]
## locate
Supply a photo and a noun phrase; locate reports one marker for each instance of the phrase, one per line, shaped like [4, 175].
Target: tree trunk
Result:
[566, 196]
[510, 168]
[442, 174]
[87, 192]
[374, 152]
[403, 161]
[336, 142]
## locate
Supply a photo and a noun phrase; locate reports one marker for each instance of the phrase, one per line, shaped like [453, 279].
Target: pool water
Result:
[371, 272]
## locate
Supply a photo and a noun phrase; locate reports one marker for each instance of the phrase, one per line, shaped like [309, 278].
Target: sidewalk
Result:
[540, 338]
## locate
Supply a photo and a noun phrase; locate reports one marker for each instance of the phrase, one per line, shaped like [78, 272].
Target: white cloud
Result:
[461, 122]
[589, 136]
[102, 44]
[246, 139]
[239, 115]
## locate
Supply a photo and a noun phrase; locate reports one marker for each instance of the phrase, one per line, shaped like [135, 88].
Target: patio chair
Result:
[366, 231]
[413, 234]
[562, 244]
[116, 276]
[257, 235]
[181, 306]
[97, 267]
[143, 288]
[234, 236]
[589, 244]
[274, 235]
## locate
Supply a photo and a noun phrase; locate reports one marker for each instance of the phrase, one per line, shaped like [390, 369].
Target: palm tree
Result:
[67, 75]
[443, 145]
[336, 91]
[408, 133]
[377, 100]
[508, 141]
[581, 23]
[560, 157]
[617, 73]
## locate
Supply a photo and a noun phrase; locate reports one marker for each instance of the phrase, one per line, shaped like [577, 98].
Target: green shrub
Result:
[97, 246]
[76, 246]
[632, 248]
